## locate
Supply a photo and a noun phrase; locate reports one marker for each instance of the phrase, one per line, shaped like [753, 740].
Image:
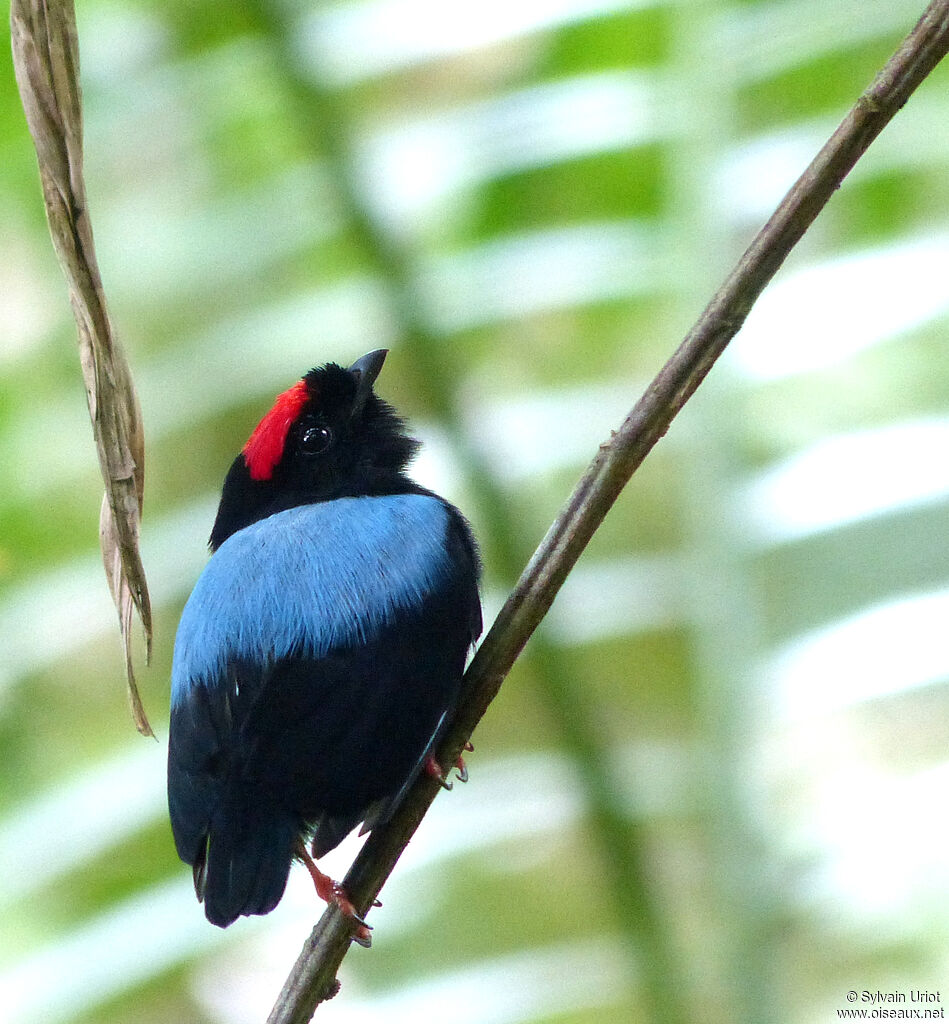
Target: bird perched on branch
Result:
[321, 652]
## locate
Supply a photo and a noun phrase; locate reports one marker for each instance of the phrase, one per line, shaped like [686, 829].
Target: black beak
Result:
[365, 370]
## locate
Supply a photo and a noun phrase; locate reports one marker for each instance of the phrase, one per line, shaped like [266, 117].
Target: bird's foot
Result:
[435, 770]
[330, 891]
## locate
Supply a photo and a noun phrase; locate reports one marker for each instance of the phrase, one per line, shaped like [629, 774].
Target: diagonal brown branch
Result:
[313, 977]
[46, 60]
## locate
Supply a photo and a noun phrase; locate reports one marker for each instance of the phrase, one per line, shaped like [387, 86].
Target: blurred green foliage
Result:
[530, 216]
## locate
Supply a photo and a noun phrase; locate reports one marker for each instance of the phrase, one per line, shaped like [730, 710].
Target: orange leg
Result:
[332, 892]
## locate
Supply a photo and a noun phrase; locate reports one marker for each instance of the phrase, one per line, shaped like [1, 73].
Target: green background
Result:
[714, 787]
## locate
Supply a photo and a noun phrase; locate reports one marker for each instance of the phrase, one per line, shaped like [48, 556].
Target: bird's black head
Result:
[329, 436]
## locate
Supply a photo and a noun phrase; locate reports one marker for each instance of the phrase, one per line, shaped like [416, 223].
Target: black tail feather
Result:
[331, 830]
[247, 859]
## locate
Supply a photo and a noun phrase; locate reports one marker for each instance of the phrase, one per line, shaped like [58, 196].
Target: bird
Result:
[320, 655]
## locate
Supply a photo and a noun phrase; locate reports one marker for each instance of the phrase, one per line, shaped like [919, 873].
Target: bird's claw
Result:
[434, 769]
[332, 892]
[362, 935]
[361, 921]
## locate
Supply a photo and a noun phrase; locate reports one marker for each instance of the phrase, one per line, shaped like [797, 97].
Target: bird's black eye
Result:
[316, 440]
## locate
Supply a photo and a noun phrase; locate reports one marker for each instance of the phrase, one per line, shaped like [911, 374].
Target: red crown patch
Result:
[264, 448]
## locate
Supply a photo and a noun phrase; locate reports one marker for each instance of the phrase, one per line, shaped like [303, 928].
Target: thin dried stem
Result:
[46, 60]
[313, 977]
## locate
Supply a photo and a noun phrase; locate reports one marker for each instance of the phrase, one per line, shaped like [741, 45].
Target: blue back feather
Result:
[311, 579]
